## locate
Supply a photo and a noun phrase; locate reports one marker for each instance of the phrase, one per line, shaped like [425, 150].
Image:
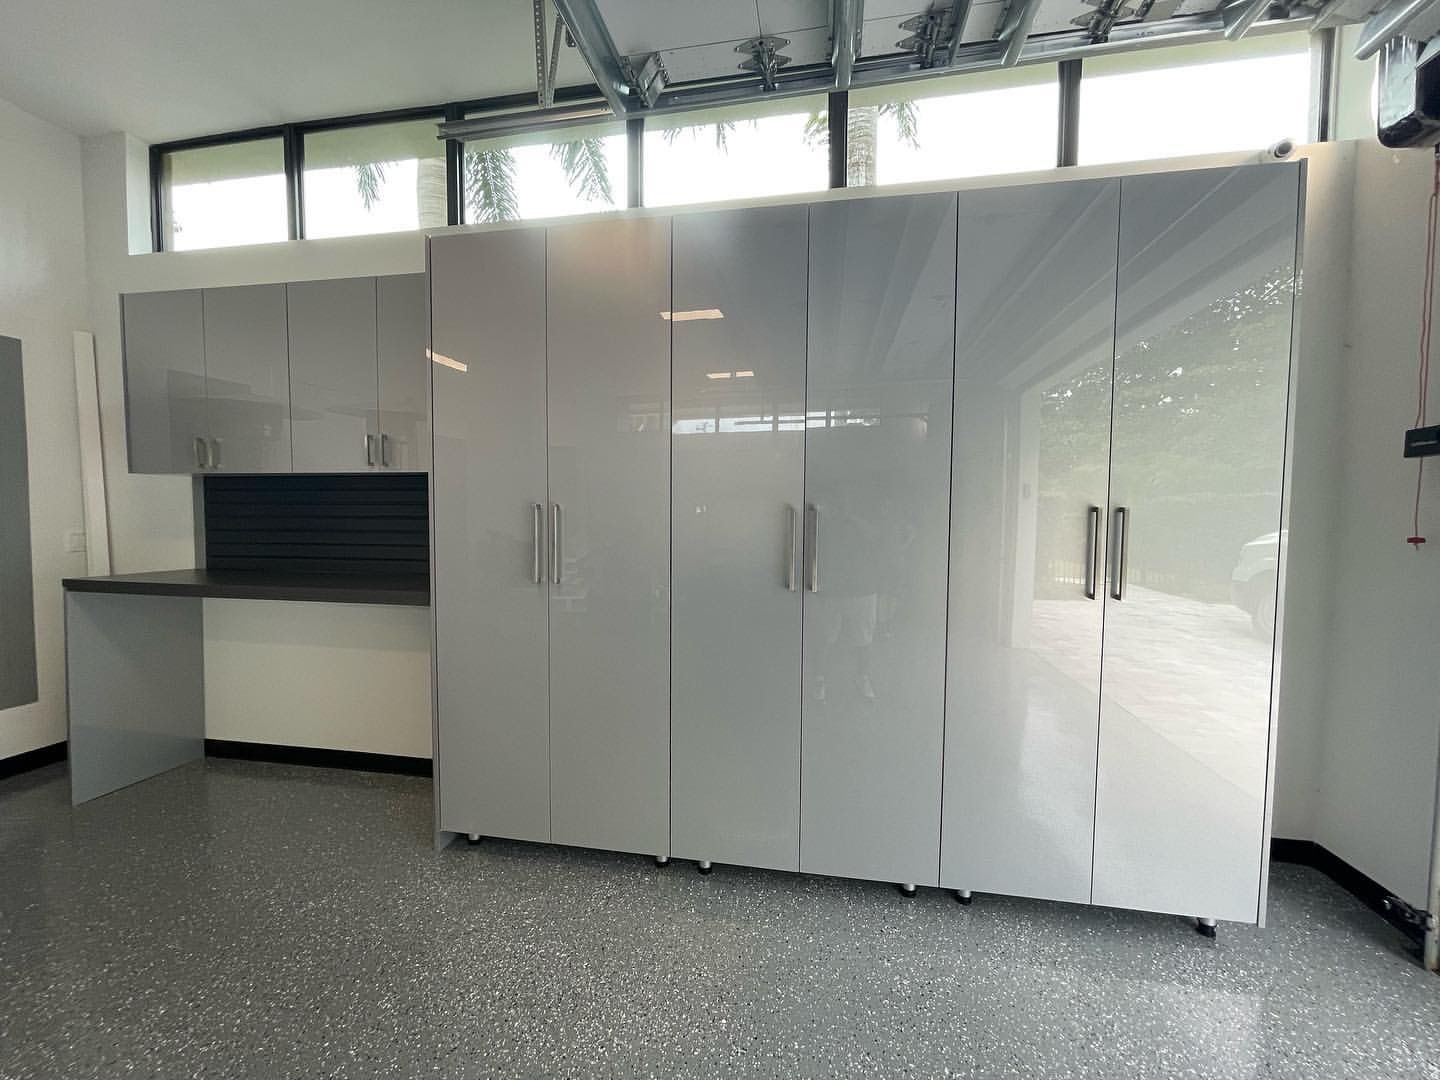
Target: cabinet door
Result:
[609, 389]
[1207, 265]
[333, 395]
[738, 491]
[877, 481]
[492, 748]
[1034, 352]
[247, 378]
[164, 334]
[404, 382]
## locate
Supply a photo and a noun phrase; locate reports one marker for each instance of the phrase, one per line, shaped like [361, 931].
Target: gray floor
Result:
[233, 919]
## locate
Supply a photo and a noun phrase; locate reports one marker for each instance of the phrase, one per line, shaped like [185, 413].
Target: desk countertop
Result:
[407, 589]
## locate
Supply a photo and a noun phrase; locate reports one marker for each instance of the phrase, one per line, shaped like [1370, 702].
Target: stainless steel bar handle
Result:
[538, 521]
[384, 450]
[812, 580]
[369, 449]
[1119, 552]
[555, 556]
[200, 452]
[1092, 551]
[791, 554]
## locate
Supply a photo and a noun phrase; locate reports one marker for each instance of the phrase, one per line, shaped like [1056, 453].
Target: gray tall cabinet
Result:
[890, 538]
[551, 532]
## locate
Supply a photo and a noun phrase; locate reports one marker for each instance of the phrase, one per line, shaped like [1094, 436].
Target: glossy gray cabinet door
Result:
[247, 378]
[1034, 352]
[1207, 263]
[164, 335]
[738, 492]
[877, 477]
[609, 388]
[333, 380]
[492, 751]
[402, 330]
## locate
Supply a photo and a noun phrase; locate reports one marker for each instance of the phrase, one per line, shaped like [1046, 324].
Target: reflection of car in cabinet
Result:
[321, 376]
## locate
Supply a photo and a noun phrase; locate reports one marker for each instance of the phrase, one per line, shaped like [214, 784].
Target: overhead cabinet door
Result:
[1207, 266]
[877, 480]
[247, 379]
[164, 336]
[1033, 360]
[739, 462]
[404, 383]
[333, 375]
[608, 289]
[489, 587]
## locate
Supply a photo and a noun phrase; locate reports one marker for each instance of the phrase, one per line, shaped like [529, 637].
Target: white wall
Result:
[337, 676]
[42, 300]
[1381, 725]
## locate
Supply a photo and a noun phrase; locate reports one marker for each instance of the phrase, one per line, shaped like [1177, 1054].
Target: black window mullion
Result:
[1067, 151]
[157, 199]
[838, 115]
[635, 160]
[454, 172]
[294, 144]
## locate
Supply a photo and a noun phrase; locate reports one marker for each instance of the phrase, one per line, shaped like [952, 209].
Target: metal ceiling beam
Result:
[597, 47]
[1240, 17]
[1326, 15]
[800, 81]
[486, 127]
[1386, 23]
[542, 81]
[958, 16]
[846, 19]
[1017, 30]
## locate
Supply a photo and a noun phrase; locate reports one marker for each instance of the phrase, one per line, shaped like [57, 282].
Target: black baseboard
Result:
[325, 759]
[1363, 887]
[32, 759]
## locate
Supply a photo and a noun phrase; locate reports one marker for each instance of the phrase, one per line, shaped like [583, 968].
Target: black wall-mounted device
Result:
[1422, 441]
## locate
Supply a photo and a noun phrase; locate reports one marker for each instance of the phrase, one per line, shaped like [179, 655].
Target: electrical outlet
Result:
[75, 540]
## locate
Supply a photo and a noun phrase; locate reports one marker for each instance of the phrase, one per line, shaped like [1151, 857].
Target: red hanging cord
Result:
[1427, 316]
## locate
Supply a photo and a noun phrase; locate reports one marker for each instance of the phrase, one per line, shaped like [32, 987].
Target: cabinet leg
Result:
[1205, 927]
[964, 896]
[704, 866]
[907, 890]
[662, 860]
[473, 837]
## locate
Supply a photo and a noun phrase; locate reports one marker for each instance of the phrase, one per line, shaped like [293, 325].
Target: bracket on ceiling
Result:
[765, 58]
[1102, 20]
[935, 34]
[649, 79]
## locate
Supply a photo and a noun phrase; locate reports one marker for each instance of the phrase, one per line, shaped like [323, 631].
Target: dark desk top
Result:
[408, 589]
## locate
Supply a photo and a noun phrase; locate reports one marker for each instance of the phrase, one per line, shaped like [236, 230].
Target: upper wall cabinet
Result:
[314, 376]
[333, 385]
[247, 381]
[164, 336]
[403, 335]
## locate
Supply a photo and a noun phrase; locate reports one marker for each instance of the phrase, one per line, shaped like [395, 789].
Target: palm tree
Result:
[863, 124]
[488, 176]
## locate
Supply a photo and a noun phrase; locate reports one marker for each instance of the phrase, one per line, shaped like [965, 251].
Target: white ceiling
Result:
[170, 69]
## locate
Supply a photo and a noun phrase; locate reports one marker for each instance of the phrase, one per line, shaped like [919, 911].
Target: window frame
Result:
[1070, 73]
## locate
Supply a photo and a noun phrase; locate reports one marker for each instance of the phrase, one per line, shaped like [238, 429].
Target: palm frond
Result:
[490, 185]
[907, 121]
[368, 178]
[817, 129]
[585, 168]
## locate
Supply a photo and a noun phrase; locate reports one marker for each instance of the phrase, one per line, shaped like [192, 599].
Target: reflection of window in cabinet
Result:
[17, 607]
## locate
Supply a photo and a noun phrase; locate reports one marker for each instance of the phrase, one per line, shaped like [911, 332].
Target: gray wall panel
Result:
[17, 603]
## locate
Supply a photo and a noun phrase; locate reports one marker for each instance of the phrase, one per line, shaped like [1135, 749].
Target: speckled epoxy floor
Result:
[241, 920]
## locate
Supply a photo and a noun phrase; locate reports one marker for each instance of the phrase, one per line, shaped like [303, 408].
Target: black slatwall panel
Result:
[374, 523]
